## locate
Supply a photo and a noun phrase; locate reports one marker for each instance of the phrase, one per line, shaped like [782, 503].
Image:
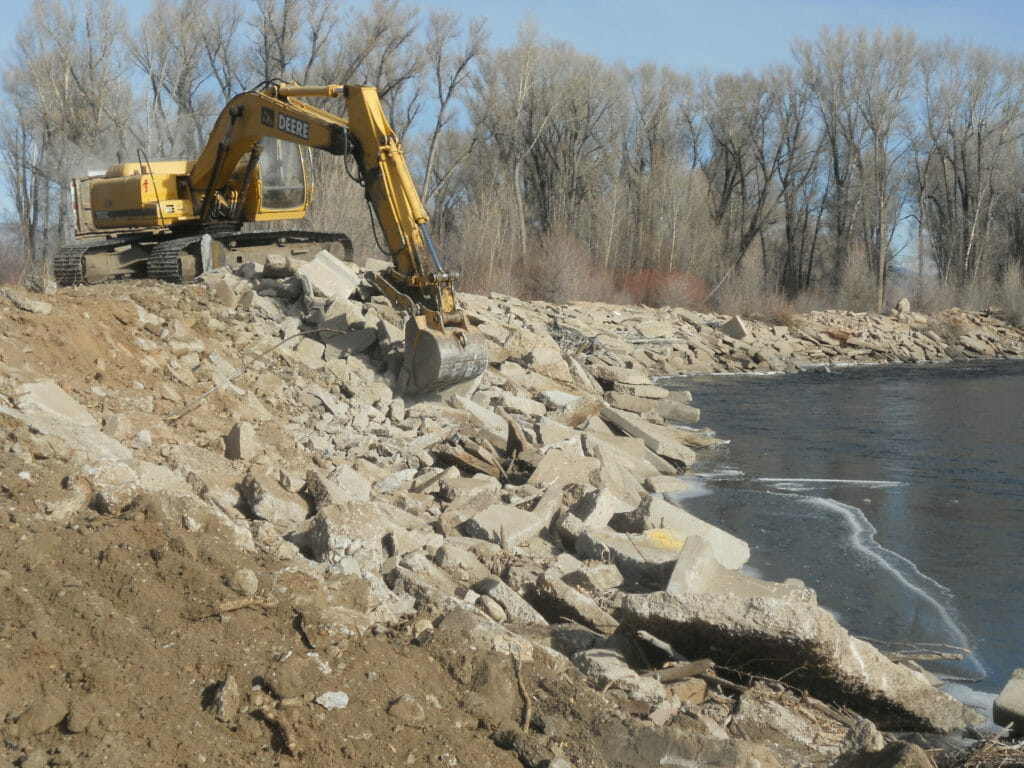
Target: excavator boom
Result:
[241, 175]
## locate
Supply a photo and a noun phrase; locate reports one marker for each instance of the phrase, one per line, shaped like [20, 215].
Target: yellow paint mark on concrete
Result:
[664, 538]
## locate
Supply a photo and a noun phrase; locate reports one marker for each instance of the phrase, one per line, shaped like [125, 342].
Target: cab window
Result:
[282, 175]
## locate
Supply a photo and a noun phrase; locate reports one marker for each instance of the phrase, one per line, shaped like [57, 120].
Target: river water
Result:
[896, 492]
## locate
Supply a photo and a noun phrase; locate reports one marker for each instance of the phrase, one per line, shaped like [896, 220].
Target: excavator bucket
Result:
[438, 359]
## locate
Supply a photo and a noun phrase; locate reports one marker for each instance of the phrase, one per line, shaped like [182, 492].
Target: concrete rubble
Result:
[529, 520]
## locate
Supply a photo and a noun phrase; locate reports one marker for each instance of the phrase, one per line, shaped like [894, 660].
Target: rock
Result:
[354, 342]
[1009, 705]
[325, 492]
[278, 266]
[347, 485]
[899, 754]
[26, 304]
[673, 410]
[631, 403]
[348, 529]
[240, 443]
[41, 716]
[426, 583]
[406, 710]
[563, 467]
[597, 507]
[862, 736]
[735, 328]
[672, 746]
[656, 513]
[504, 524]
[668, 484]
[518, 610]
[802, 641]
[113, 485]
[660, 440]
[646, 558]
[118, 426]
[612, 375]
[46, 397]
[460, 563]
[244, 581]
[329, 277]
[224, 293]
[557, 600]
[269, 501]
[594, 576]
[225, 700]
[332, 700]
[698, 570]
[604, 667]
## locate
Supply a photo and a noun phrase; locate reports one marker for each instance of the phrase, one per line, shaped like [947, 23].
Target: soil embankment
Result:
[302, 564]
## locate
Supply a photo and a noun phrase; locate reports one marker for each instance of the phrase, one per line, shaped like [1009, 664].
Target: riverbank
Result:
[302, 563]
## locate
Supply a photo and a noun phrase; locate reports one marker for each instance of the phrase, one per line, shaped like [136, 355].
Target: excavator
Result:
[172, 220]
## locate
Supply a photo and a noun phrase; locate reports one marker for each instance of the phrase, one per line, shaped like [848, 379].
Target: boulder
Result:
[805, 644]
[1008, 707]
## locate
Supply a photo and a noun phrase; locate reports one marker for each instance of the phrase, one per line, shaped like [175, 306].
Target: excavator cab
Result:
[284, 185]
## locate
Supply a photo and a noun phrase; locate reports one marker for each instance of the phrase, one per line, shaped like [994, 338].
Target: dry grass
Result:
[991, 753]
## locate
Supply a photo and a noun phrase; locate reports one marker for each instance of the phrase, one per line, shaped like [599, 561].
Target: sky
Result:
[690, 35]
[739, 35]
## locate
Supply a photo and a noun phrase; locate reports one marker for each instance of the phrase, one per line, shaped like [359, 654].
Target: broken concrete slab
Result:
[240, 443]
[1008, 707]
[329, 276]
[47, 398]
[348, 529]
[518, 610]
[269, 501]
[807, 645]
[504, 524]
[698, 570]
[563, 467]
[612, 374]
[606, 667]
[654, 513]
[661, 440]
[559, 601]
[643, 558]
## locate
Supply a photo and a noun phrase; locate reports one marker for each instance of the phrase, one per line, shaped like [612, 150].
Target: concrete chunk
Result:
[803, 642]
[557, 600]
[504, 524]
[660, 440]
[329, 276]
[518, 610]
[656, 513]
[1009, 705]
[240, 443]
[645, 558]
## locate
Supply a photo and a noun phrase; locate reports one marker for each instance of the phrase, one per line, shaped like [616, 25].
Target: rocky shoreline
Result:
[517, 539]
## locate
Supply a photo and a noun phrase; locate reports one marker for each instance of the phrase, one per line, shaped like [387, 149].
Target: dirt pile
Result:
[300, 563]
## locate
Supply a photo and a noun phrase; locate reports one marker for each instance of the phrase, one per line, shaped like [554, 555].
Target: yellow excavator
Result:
[171, 220]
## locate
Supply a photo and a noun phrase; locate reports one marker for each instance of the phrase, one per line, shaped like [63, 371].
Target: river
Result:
[896, 492]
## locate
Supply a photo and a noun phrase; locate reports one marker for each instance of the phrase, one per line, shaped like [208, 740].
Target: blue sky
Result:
[736, 35]
[721, 35]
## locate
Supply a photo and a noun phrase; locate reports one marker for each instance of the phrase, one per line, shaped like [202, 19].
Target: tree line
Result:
[550, 173]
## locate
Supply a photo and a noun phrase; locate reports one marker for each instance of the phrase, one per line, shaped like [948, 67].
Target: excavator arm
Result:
[441, 347]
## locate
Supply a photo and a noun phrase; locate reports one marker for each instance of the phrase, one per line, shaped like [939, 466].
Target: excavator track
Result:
[164, 262]
[68, 268]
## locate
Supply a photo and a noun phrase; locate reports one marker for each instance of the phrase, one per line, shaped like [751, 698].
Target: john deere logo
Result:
[267, 116]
